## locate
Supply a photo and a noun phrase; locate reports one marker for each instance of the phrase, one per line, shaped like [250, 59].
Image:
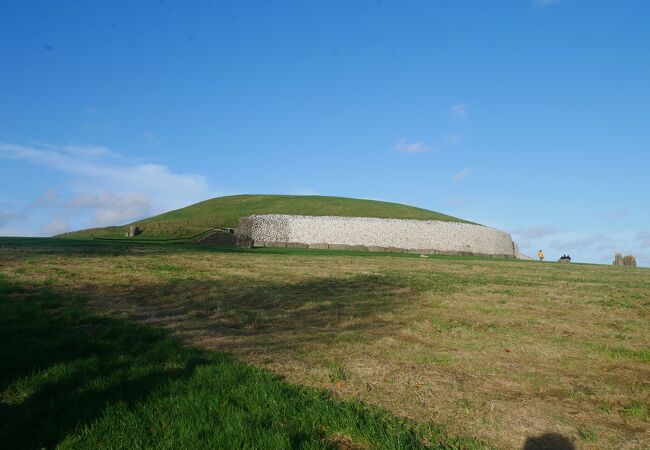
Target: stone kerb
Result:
[373, 234]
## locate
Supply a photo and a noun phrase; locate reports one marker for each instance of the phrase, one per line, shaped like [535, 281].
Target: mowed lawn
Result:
[120, 345]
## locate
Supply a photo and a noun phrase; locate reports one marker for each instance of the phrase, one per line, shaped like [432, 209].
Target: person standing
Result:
[540, 255]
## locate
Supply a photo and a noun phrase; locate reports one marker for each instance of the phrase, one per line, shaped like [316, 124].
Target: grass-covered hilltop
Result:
[225, 212]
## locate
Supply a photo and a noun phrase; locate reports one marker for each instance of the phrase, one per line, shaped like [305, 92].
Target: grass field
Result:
[225, 212]
[127, 345]
[79, 380]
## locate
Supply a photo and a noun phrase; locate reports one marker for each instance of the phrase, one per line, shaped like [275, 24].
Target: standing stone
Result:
[618, 260]
[629, 261]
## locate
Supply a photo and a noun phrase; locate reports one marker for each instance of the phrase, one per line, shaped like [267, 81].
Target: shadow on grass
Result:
[548, 441]
[71, 378]
[245, 314]
[60, 366]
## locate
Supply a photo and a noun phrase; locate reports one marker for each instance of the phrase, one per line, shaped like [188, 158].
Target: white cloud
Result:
[644, 238]
[57, 225]
[112, 209]
[459, 111]
[302, 191]
[593, 241]
[452, 139]
[15, 231]
[106, 186]
[148, 136]
[89, 152]
[614, 215]
[535, 231]
[82, 151]
[462, 174]
[457, 202]
[46, 199]
[6, 217]
[403, 146]
[416, 147]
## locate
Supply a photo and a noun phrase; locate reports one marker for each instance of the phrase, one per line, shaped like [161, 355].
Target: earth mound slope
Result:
[225, 212]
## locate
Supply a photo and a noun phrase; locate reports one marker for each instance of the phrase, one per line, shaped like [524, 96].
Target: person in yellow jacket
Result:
[540, 255]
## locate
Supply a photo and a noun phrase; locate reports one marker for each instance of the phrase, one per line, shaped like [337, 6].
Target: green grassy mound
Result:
[225, 212]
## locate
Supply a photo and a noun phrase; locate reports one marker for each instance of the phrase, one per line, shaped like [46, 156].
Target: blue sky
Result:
[528, 115]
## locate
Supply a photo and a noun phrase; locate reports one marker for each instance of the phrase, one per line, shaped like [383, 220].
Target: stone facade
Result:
[225, 238]
[221, 238]
[372, 234]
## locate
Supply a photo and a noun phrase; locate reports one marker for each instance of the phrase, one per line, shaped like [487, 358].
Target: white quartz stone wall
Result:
[426, 236]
